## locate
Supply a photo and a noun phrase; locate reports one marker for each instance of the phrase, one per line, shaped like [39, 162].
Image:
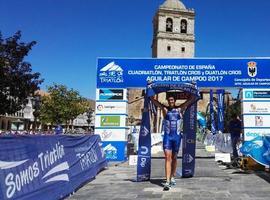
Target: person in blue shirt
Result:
[235, 128]
[173, 117]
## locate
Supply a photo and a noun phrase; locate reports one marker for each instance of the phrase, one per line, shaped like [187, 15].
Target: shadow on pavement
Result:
[155, 181]
[158, 182]
[264, 175]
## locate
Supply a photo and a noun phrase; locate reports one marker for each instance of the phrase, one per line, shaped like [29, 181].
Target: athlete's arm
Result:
[160, 105]
[187, 103]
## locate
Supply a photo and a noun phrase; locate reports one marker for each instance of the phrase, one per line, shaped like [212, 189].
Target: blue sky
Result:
[71, 34]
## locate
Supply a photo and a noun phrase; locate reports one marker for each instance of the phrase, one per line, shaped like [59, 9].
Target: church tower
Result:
[173, 34]
[173, 37]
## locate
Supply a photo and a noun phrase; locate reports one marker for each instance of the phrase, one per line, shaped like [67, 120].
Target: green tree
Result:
[62, 105]
[234, 109]
[17, 81]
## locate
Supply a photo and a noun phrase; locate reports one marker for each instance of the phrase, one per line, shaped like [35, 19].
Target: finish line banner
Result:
[132, 73]
[47, 167]
[144, 149]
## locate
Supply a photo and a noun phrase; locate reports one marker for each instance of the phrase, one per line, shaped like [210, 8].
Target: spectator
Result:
[235, 127]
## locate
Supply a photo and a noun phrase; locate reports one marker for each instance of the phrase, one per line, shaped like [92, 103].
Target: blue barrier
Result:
[47, 167]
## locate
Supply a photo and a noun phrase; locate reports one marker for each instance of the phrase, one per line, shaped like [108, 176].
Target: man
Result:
[235, 127]
[173, 116]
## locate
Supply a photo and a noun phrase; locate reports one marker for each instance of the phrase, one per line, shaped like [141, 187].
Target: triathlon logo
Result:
[110, 152]
[111, 73]
[48, 167]
[252, 69]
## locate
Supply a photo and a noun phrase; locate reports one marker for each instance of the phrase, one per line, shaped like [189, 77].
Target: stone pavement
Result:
[211, 181]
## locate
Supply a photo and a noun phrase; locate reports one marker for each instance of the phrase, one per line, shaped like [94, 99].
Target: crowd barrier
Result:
[47, 167]
[221, 141]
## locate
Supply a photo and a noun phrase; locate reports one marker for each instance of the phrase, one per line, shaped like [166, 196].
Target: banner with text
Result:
[226, 72]
[47, 167]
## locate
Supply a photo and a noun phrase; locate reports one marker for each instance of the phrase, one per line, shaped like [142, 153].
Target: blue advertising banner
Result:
[225, 72]
[220, 99]
[189, 141]
[144, 150]
[212, 114]
[258, 149]
[47, 167]
[115, 150]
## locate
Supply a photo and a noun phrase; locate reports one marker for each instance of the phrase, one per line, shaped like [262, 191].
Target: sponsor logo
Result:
[143, 162]
[248, 94]
[256, 109]
[88, 158]
[258, 121]
[111, 73]
[250, 134]
[111, 94]
[110, 152]
[187, 158]
[253, 108]
[100, 107]
[144, 131]
[187, 171]
[252, 68]
[110, 108]
[261, 94]
[143, 177]
[106, 134]
[144, 150]
[46, 168]
[110, 121]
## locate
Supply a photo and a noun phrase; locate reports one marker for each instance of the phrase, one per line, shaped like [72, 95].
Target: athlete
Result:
[173, 116]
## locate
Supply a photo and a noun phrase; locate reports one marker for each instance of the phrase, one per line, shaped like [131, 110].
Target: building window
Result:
[183, 26]
[183, 49]
[168, 48]
[169, 25]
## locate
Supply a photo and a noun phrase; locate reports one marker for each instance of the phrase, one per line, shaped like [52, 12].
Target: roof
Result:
[173, 4]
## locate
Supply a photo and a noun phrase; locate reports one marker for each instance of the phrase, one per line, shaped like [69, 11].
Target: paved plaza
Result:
[211, 181]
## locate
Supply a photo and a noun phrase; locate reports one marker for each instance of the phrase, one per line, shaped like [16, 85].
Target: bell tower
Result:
[173, 34]
[173, 37]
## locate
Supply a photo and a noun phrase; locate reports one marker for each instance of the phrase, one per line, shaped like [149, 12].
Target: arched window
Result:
[183, 26]
[169, 25]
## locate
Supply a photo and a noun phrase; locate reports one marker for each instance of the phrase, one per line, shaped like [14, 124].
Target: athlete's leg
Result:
[175, 150]
[168, 164]
[167, 147]
[174, 164]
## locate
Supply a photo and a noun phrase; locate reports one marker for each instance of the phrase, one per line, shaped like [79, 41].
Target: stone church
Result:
[173, 37]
